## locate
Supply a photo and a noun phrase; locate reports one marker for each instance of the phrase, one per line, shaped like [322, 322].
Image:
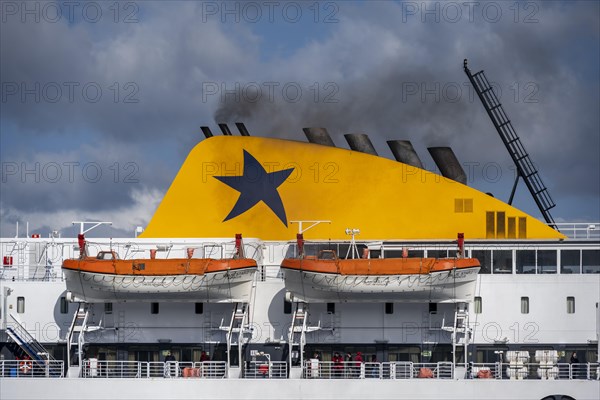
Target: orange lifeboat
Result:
[327, 278]
[108, 278]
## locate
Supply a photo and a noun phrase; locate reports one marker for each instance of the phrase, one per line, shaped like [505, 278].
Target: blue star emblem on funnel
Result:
[255, 184]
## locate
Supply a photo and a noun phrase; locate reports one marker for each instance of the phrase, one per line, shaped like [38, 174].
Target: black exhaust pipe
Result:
[207, 132]
[318, 136]
[448, 164]
[242, 128]
[225, 129]
[360, 142]
[404, 152]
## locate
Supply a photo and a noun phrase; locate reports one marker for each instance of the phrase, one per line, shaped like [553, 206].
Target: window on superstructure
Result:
[108, 308]
[502, 261]
[590, 261]
[375, 254]
[546, 262]
[437, 253]
[485, 259]
[433, 308]
[20, 305]
[330, 308]
[416, 253]
[199, 308]
[153, 308]
[570, 305]
[524, 305]
[570, 261]
[287, 306]
[525, 261]
[477, 305]
[389, 308]
[291, 251]
[463, 205]
[64, 305]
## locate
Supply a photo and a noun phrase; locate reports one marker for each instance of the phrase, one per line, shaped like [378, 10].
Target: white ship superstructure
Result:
[532, 310]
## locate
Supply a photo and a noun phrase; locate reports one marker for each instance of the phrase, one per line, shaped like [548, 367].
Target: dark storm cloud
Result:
[140, 82]
[378, 70]
[419, 92]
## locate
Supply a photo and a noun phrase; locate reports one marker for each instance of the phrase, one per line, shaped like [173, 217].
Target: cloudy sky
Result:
[102, 101]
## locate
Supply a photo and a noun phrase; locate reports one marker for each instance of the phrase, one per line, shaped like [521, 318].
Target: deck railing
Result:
[153, 369]
[445, 370]
[374, 370]
[311, 370]
[579, 230]
[31, 369]
[266, 370]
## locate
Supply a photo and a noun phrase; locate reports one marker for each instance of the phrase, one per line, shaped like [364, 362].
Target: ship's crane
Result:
[525, 167]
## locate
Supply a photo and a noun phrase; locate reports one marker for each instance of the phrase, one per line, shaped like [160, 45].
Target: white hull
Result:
[215, 287]
[438, 287]
[309, 389]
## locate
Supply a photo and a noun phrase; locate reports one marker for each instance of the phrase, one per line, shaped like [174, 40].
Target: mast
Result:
[525, 167]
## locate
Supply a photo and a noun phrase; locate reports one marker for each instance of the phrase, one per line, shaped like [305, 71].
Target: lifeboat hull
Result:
[439, 286]
[226, 286]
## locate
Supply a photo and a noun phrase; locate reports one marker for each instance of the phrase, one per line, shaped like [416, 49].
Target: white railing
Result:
[579, 230]
[266, 370]
[314, 369]
[445, 370]
[31, 369]
[311, 370]
[485, 371]
[375, 370]
[111, 369]
[153, 369]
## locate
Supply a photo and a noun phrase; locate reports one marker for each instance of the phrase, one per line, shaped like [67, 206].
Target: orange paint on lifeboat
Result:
[328, 263]
[328, 279]
[156, 267]
[106, 278]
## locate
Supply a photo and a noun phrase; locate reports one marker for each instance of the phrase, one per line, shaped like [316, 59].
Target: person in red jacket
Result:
[358, 360]
[338, 365]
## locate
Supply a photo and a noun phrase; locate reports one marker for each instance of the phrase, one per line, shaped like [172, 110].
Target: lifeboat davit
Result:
[327, 278]
[106, 278]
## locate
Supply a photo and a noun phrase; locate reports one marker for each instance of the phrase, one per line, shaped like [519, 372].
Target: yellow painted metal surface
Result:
[385, 199]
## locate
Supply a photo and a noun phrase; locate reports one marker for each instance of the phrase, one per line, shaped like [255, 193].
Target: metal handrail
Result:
[311, 370]
[93, 368]
[266, 370]
[579, 230]
[28, 342]
[29, 369]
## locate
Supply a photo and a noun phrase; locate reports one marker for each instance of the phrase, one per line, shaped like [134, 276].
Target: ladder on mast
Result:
[525, 167]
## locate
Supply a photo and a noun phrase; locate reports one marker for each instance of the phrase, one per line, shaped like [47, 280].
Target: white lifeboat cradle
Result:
[79, 325]
[238, 331]
[299, 326]
[460, 331]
